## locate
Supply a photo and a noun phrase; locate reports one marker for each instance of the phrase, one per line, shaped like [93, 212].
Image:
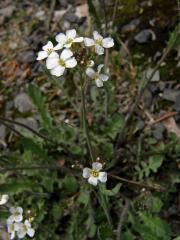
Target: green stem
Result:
[86, 131]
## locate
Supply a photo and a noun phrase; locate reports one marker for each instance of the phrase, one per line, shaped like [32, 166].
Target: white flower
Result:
[25, 228]
[12, 228]
[48, 51]
[57, 64]
[16, 214]
[97, 76]
[66, 40]
[99, 42]
[94, 175]
[3, 199]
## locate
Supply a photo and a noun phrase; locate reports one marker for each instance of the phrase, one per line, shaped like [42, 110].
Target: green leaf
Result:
[155, 162]
[111, 192]
[70, 184]
[84, 197]
[127, 235]
[94, 13]
[114, 125]
[16, 187]
[39, 102]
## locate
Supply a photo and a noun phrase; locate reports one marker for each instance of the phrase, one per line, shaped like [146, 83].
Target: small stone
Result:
[140, 124]
[143, 36]
[71, 17]
[158, 130]
[130, 27]
[7, 11]
[156, 76]
[177, 103]
[147, 98]
[171, 95]
[23, 103]
[82, 10]
[30, 122]
[63, 3]
[27, 57]
[58, 15]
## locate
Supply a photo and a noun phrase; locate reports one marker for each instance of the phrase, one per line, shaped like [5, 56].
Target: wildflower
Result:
[99, 42]
[97, 76]
[3, 199]
[57, 64]
[48, 51]
[16, 214]
[66, 40]
[25, 228]
[11, 227]
[94, 175]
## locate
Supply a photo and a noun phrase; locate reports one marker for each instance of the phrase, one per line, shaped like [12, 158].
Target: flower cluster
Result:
[71, 56]
[15, 224]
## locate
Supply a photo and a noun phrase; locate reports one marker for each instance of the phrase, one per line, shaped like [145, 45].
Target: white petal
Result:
[99, 50]
[58, 71]
[97, 166]
[58, 46]
[102, 177]
[18, 218]
[30, 232]
[70, 63]
[108, 42]
[71, 33]
[52, 63]
[10, 220]
[99, 83]
[4, 198]
[100, 67]
[103, 77]
[97, 36]
[53, 55]
[90, 72]
[42, 55]
[78, 39]
[61, 38]
[86, 172]
[12, 235]
[89, 42]
[66, 53]
[20, 210]
[27, 223]
[92, 180]
[21, 233]
[49, 45]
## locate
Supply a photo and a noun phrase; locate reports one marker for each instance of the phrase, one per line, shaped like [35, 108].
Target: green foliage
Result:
[39, 102]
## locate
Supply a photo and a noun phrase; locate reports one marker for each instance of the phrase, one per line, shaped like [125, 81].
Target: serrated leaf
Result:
[111, 192]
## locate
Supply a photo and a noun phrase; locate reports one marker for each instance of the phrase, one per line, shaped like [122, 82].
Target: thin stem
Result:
[86, 131]
[155, 188]
[122, 218]
[29, 168]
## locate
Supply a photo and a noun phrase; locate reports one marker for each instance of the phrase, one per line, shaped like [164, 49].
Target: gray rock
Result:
[158, 131]
[130, 27]
[71, 17]
[140, 124]
[27, 57]
[177, 103]
[30, 122]
[23, 103]
[7, 11]
[147, 98]
[2, 132]
[64, 3]
[156, 76]
[171, 95]
[143, 36]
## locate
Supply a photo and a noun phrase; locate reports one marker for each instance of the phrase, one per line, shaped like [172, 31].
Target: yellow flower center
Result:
[49, 51]
[62, 63]
[94, 173]
[69, 40]
[98, 41]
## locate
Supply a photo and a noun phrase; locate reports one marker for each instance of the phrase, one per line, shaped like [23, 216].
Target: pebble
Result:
[7, 11]
[130, 27]
[30, 121]
[158, 130]
[71, 17]
[171, 95]
[27, 57]
[23, 103]
[143, 36]
[156, 76]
